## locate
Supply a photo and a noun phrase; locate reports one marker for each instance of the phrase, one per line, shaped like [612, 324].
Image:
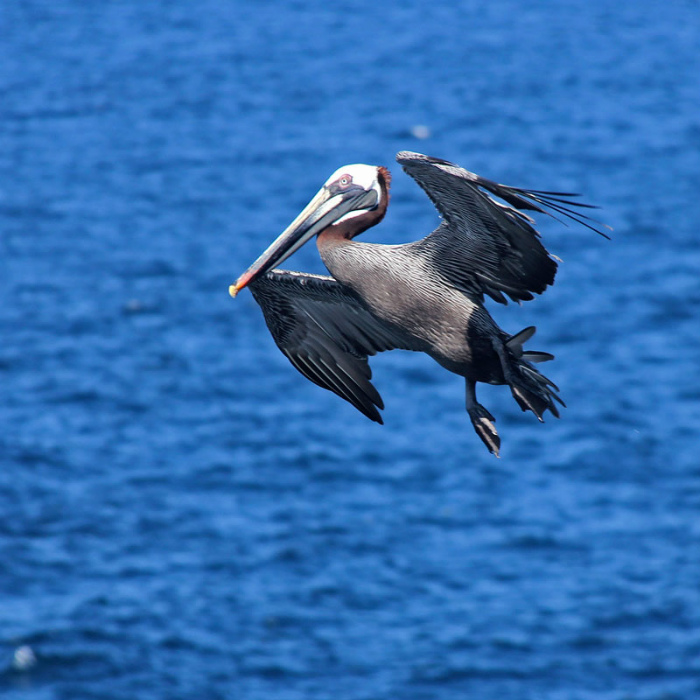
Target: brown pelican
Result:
[426, 296]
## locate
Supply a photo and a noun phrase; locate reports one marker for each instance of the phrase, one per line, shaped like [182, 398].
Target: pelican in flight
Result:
[426, 296]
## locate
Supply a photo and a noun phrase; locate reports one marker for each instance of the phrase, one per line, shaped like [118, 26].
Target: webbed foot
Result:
[483, 423]
[482, 420]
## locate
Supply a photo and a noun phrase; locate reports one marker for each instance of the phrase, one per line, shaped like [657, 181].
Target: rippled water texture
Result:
[182, 515]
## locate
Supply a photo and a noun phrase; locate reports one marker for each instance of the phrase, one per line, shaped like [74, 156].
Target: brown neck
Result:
[348, 229]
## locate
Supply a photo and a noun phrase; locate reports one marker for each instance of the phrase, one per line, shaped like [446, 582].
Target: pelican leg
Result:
[482, 420]
[506, 361]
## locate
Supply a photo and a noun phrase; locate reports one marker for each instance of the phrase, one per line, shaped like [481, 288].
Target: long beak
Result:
[322, 211]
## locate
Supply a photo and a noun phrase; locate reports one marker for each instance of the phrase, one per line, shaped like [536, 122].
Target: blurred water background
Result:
[182, 515]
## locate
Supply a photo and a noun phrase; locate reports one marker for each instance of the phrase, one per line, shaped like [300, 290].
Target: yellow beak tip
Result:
[233, 290]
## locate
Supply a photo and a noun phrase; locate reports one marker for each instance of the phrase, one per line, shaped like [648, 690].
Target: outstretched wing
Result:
[326, 331]
[482, 245]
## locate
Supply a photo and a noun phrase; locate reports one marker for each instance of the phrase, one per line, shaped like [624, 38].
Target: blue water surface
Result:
[182, 515]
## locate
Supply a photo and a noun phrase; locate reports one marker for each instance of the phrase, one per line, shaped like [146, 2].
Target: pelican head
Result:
[350, 191]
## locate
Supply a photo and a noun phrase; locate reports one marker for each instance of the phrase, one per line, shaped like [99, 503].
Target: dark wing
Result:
[327, 332]
[484, 245]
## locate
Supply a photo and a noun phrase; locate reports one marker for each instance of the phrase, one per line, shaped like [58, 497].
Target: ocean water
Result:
[182, 515]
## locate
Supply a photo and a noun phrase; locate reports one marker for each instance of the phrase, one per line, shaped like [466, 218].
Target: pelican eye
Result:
[344, 181]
